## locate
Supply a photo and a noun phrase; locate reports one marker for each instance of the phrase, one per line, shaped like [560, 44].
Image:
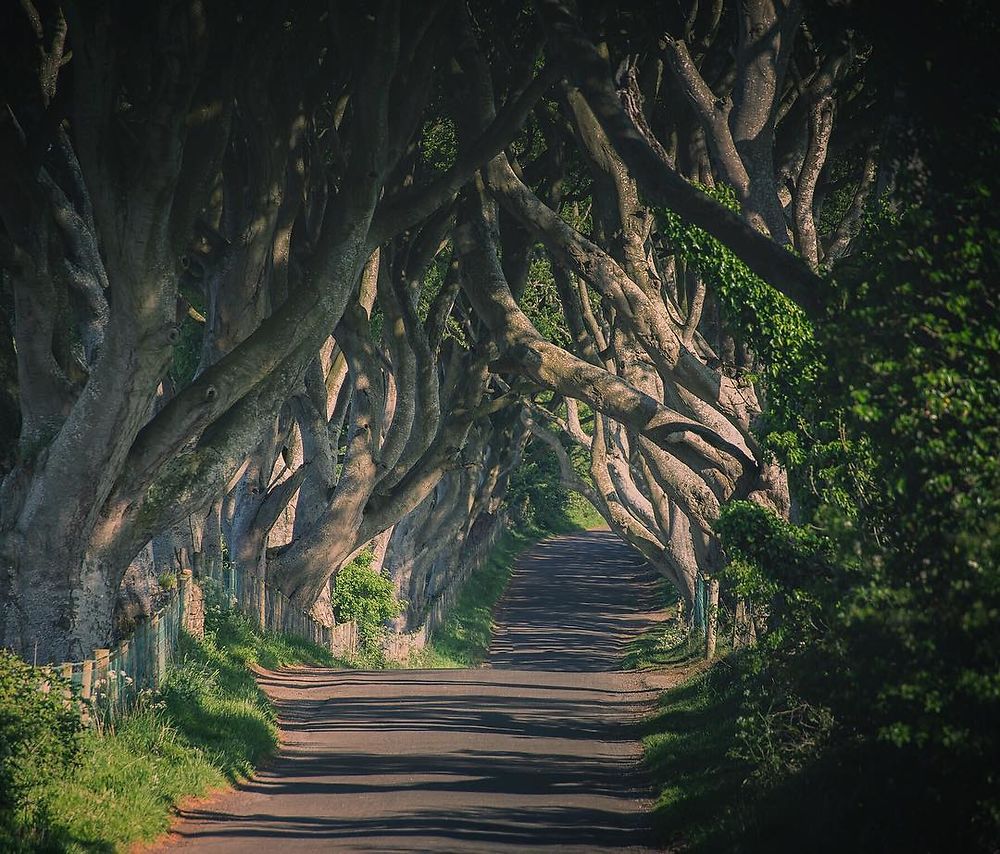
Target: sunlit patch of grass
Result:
[667, 644]
[209, 726]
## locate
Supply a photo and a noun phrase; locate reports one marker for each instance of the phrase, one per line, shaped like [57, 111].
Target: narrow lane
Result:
[534, 751]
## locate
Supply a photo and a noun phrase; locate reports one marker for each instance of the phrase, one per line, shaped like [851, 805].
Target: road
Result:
[535, 751]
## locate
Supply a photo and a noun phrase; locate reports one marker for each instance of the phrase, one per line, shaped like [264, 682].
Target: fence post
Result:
[154, 625]
[113, 693]
[101, 663]
[87, 680]
[184, 580]
[126, 660]
[713, 617]
[66, 671]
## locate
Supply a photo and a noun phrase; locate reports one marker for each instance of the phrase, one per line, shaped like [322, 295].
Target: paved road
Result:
[535, 751]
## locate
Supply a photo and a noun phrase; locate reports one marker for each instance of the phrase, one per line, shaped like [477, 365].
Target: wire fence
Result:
[108, 683]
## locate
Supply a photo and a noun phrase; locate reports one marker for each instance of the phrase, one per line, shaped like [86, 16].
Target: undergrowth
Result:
[687, 742]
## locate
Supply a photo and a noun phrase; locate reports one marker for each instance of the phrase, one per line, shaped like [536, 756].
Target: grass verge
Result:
[209, 726]
[860, 798]
[687, 744]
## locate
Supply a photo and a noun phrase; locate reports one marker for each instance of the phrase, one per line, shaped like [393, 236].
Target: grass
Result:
[464, 638]
[856, 798]
[665, 644]
[688, 739]
[687, 743]
[209, 727]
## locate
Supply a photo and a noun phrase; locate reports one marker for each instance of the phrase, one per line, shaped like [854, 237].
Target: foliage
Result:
[438, 143]
[780, 333]
[535, 491]
[882, 651]
[368, 598]
[541, 303]
[39, 740]
[210, 726]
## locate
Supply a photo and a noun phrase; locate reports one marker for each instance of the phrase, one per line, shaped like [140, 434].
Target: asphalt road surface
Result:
[535, 751]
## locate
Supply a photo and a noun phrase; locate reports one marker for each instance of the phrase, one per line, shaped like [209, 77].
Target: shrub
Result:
[535, 490]
[39, 738]
[365, 596]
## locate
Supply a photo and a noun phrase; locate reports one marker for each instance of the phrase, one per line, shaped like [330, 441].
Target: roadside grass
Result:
[712, 802]
[464, 638]
[687, 744]
[665, 644]
[209, 727]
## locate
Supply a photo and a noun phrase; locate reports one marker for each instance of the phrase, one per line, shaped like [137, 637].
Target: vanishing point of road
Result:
[536, 750]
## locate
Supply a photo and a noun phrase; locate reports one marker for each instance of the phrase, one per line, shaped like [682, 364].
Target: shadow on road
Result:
[537, 750]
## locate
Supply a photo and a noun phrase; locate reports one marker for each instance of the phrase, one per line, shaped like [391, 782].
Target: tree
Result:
[136, 167]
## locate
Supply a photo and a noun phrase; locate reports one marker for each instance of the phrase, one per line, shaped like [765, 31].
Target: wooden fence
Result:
[109, 681]
[271, 610]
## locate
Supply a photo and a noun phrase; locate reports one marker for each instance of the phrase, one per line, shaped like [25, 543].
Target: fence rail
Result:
[111, 679]
[271, 610]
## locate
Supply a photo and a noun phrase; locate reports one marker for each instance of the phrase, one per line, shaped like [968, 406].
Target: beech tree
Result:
[657, 355]
[233, 240]
[255, 152]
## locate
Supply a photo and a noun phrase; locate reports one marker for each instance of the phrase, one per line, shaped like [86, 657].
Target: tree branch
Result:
[661, 184]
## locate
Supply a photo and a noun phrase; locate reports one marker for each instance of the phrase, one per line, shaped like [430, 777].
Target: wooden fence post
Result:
[87, 680]
[66, 671]
[101, 664]
[184, 582]
[713, 618]
[154, 624]
[126, 655]
[113, 675]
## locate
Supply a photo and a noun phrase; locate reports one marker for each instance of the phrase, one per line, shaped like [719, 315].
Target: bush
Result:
[39, 738]
[365, 596]
[882, 653]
